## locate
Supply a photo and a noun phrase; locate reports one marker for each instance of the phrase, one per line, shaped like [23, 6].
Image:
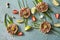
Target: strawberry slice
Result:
[15, 12]
[20, 33]
[57, 16]
[33, 18]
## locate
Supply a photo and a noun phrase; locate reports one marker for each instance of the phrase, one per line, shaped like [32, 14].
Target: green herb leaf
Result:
[55, 30]
[10, 19]
[25, 21]
[37, 1]
[19, 3]
[23, 3]
[50, 10]
[5, 20]
[34, 3]
[48, 16]
[27, 4]
[35, 25]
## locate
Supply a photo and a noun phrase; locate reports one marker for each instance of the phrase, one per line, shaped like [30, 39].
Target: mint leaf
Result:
[37, 1]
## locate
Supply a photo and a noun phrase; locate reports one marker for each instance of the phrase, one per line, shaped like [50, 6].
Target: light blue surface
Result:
[32, 35]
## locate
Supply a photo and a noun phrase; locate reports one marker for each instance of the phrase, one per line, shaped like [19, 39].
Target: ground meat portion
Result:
[45, 27]
[12, 28]
[25, 12]
[42, 7]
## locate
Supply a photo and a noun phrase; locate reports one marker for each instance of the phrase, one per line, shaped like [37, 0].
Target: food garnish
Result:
[45, 27]
[20, 33]
[15, 12]
[42, 7]
[33, 10]
[55, 2]
[12, 29]
[27, 28]
[57, 24]
[33, 18]
[25, 12]
[57, 16]
[19, 21]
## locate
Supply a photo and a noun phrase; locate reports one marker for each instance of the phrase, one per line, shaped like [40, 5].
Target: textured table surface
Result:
[32, 35]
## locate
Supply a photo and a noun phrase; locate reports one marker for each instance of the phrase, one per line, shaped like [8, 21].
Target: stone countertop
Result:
[32, 35]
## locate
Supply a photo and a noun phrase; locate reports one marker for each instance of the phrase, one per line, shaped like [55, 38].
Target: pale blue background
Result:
[32, 35]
